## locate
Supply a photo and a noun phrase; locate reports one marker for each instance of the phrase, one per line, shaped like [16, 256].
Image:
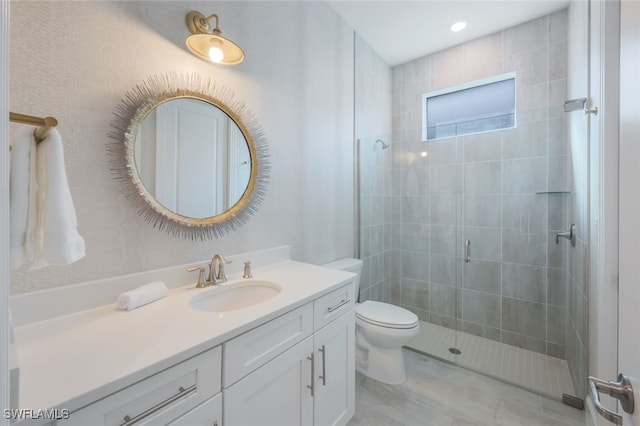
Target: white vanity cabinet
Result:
[184, 394]
[278, 393]
[334, 391]
[295, 369]
[309, 381]
[208, 413]
[334, 343]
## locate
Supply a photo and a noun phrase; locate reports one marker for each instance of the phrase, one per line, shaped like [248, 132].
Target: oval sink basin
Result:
[235, 296]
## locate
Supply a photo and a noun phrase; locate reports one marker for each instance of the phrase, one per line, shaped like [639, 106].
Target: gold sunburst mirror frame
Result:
[129, 116]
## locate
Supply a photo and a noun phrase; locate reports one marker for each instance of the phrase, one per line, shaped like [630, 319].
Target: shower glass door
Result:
[409, 212]
[512, 308]
[430, 180]
[522, 302]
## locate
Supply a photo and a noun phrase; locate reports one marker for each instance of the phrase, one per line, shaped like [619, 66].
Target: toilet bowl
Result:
[382, 329]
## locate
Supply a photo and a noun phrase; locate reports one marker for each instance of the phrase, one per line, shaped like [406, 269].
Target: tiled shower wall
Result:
[493, 189]
[373, 122]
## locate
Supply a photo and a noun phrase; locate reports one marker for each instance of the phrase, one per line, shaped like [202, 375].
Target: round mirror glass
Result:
[192, 158]
[190, 155]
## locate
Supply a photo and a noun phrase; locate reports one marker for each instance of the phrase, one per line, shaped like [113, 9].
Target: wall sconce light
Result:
[209, 44]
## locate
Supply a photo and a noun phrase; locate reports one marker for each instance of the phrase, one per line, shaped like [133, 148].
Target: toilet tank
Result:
[348, 264]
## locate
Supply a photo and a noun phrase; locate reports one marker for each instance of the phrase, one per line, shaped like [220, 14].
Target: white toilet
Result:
[381, 331]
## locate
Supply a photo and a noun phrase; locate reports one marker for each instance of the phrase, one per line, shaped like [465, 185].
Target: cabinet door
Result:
[256, 347]
[278, 393]
[335, 372]
[209, 413]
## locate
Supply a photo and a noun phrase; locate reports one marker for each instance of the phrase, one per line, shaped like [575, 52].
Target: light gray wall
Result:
[75, 61]
[373, 122]
[483, 188]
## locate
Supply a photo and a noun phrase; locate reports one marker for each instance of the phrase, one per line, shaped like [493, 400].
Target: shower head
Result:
[384, 145]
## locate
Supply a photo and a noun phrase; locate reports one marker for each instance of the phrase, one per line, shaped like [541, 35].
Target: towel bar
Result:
[44, 124]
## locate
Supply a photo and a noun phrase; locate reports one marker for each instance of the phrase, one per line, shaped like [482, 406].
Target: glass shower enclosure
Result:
[467, 240]
[470, 231]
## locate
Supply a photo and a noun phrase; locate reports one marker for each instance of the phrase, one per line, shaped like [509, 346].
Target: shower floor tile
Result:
[540, 373]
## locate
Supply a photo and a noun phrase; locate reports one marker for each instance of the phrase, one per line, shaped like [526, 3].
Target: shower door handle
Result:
[467, 251]
[569, 235]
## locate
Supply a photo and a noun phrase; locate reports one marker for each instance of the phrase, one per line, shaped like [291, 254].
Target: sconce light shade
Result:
[209, 44]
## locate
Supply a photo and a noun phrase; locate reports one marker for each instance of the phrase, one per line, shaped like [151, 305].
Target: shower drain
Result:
[455, 351]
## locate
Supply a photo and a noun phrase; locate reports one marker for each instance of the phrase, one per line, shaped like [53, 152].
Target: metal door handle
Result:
[324, 367]
[313, 374]
[182, 392]
[621, 390]
[339, 305]
[569, 235]
[467, 251]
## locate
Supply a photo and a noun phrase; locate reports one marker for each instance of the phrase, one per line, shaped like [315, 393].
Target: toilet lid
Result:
[386, 315]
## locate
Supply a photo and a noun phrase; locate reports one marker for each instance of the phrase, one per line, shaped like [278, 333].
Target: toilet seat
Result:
[386, 315]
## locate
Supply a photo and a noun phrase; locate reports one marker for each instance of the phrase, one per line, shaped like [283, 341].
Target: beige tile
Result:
[569, 415]
[441, 394]
[372, 416]
[514, 415]
[398, 404]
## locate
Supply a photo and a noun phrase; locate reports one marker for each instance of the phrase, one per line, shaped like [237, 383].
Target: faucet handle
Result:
[247, 270]
[201, 281]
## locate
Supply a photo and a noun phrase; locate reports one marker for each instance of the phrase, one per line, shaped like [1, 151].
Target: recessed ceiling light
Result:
[458, 26]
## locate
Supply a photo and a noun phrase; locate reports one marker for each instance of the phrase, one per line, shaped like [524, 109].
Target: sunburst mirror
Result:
[190, 156]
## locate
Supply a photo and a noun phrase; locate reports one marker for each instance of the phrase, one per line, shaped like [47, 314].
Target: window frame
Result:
[465, 86]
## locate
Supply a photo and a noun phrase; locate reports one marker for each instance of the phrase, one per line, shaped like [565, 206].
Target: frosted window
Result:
[480, 107]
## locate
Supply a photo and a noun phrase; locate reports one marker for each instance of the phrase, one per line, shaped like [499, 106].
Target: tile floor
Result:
[440, 394]
[540, 373]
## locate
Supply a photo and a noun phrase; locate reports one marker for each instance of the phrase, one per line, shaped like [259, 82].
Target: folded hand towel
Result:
[142, 295]
[55, 239]
[22, 198]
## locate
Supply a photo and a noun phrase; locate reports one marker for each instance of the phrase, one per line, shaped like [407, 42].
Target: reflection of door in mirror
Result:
[183, 150]
[239, 163]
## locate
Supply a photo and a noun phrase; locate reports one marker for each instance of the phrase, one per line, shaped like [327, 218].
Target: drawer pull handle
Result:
[182, 392]
[313, 374]
[339, 305]
[324, 367]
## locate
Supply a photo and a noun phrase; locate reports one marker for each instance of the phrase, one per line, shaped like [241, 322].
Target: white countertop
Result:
[70, 361]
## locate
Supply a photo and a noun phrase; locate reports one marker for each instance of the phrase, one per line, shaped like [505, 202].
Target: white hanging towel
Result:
[22, 199]
[54, 240]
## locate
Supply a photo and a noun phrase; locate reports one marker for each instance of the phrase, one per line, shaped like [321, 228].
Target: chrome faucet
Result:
[217, 274]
